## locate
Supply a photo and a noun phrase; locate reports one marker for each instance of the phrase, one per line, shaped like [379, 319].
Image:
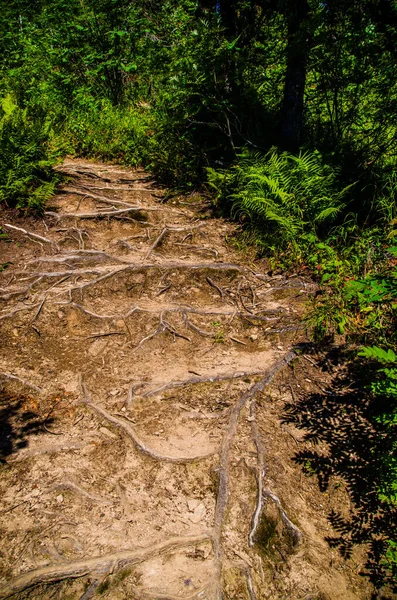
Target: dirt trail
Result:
[144, 368]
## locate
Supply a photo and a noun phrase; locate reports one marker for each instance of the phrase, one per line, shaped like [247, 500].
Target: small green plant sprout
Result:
[219, 334]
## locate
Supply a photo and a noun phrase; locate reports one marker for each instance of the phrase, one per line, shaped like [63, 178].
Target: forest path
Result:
[144, 370]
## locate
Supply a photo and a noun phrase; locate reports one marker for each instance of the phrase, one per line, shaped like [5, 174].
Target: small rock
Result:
[108, 433]
[253, 337]
[60, 314]
[60, 499]
[198, 513]
[192, 504]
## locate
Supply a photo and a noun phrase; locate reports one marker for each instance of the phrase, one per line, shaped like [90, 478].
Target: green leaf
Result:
[374, 352]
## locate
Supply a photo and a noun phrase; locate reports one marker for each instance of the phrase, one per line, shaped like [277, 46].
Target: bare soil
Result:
[145, 365]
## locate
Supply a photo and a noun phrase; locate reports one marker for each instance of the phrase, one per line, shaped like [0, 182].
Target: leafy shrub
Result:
[384, 390]
[26, 177]
[98, 129]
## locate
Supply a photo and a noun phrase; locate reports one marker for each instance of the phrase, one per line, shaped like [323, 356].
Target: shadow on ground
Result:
[19, 418]
[342, 416]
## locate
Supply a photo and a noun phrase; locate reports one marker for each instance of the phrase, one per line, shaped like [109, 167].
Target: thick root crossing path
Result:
[139, 355]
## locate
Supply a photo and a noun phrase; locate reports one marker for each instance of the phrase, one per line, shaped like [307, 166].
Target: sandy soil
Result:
[144, 368]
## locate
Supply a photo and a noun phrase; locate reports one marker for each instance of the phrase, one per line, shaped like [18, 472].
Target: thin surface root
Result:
[129, 430]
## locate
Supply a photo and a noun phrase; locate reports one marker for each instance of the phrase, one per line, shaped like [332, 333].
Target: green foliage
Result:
[284, 196]
[96, 128]
[384, 389]
[364, 308]
[184, 88]
[26, 179]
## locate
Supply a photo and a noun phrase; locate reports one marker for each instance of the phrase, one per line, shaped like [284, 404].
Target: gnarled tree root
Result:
[129, 430]
[262, 492]
[224, 463]
[101, 565]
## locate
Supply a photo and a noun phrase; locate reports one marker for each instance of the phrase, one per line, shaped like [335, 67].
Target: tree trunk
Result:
[298, 48]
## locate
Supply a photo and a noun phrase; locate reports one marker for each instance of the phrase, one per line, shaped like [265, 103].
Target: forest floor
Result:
[147, 371]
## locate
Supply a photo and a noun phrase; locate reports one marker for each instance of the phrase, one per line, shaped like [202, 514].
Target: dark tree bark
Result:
[298, 49]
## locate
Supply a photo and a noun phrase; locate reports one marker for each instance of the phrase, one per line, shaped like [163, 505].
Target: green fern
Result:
[282, 195]
[26, 177]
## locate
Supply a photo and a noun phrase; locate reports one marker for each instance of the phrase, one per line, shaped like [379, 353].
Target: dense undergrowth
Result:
[202, 93]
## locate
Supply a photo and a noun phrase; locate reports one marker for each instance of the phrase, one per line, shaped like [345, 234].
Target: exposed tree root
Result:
[250, 584]
[99, 215]
[161, 327]
[204, 249]
[169, 229]
[195, 328]
[169, 309]
[97, 197]
[69, 485]
[118, 188]
[224, 463]
[293, 529]
[157, 242]
[238, 298]
[202, 379]
[101, 565]
[79, 255]
[153, 595]
[91, 590]
[34, 236]
[129, 430]
[18, 309]
[146, 267]
[37, 313]
[216, 287]
[11, 377]
[262, 492]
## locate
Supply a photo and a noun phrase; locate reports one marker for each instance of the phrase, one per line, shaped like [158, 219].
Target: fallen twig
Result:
[237, 340]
